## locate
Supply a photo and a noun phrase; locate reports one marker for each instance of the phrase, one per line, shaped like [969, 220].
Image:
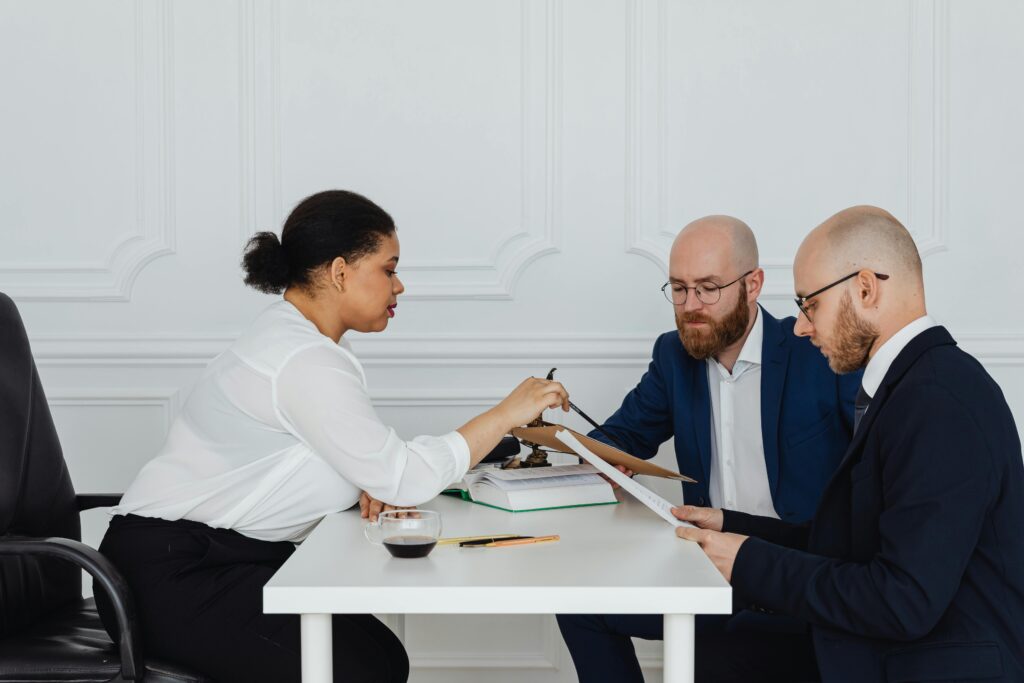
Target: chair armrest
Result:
[88, 501]
[108, 578]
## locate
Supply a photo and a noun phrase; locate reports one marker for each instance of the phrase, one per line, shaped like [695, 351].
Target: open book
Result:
[540, 488]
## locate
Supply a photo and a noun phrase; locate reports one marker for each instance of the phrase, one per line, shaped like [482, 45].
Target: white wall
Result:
[538, 157]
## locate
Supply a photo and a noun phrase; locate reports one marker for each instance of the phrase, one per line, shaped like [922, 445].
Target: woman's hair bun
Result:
[266, 263]
[322, 227]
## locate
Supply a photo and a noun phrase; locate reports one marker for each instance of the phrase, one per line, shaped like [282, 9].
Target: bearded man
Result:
[759, 420]
[912, 568]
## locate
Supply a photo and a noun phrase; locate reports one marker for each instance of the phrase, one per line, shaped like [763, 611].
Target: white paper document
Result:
[659, 505]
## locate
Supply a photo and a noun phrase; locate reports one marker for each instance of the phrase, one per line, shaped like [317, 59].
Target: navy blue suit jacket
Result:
[913, 566]
[806, 416]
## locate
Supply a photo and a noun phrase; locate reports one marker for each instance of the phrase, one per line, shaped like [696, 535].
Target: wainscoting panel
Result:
[539, 156]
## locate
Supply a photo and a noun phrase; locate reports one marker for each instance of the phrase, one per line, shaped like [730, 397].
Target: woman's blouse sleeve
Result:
[320, 395]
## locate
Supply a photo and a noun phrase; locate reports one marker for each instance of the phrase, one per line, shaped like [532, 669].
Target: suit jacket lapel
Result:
[774, 363]
[702, 417]
[930, 338]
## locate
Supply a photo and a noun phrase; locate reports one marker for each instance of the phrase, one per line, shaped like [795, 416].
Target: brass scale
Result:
[538, 456]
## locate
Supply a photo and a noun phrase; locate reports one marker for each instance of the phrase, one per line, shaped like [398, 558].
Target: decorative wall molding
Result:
[168, 400]
[650, 660]
[996, 349]
[548, 658]
[489, 278]
[153, 234]
[393, 350]
[143, 351]
[261, 206]
[438, 398]
[648, 233]
[928, 125]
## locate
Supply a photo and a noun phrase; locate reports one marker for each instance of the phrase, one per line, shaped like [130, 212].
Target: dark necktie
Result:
[860, 406]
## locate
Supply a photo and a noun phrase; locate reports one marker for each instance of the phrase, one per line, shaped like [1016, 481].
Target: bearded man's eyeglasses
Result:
[708, 293]
[801, 301]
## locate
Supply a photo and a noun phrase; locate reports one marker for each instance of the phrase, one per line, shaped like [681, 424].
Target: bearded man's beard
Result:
[702, 343]
[851, 341]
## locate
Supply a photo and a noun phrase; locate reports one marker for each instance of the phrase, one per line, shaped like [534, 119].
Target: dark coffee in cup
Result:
[410, 546]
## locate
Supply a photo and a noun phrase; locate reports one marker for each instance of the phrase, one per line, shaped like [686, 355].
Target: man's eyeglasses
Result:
[708, 293]
[801, 301]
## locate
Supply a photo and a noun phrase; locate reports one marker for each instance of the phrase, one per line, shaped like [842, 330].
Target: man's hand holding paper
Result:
[704, 518]
[721, 548]
[701, 525]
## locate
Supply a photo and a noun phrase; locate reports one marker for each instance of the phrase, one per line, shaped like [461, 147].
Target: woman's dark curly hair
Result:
[321, 228]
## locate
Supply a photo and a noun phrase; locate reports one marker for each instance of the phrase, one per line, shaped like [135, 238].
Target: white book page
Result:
[533, 473]
[540, 483]
[659, 505]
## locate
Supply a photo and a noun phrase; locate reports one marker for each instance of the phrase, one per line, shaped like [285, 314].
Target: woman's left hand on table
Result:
[370, 507]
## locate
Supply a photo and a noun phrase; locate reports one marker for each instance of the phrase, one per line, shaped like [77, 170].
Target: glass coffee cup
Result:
[405, 533]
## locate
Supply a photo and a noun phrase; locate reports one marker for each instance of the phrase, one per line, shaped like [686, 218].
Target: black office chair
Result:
[48, 632]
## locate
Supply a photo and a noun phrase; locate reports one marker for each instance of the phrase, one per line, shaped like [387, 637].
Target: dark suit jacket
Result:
[806, 416]
[913, 566]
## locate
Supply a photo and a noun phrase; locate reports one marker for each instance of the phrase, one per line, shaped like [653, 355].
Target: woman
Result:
[279, 432]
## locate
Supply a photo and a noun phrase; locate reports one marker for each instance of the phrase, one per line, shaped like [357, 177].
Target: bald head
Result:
[725, 237]
[715, 282]
[864, 237]
[864, 271]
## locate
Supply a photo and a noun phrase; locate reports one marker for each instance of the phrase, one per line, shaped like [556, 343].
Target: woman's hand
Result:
[526, 402]
[703, 518]
[370, 507]
[531, 398]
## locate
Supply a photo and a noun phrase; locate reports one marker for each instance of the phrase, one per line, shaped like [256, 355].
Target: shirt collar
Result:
[883, 358]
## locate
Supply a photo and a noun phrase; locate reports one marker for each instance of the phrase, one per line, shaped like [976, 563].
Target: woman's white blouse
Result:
[279, 432]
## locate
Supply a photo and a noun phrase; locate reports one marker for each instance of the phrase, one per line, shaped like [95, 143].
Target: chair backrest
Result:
[36, 495]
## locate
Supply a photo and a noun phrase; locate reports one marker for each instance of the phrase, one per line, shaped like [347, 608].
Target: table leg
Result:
[317, 650]
[678, 648]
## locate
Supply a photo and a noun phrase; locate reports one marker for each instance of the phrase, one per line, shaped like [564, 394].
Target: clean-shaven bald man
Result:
[759, 420]
[912, 568]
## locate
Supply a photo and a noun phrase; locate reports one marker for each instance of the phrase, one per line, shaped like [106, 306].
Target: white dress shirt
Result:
[879, 364]
[279, 432]
[739, 477]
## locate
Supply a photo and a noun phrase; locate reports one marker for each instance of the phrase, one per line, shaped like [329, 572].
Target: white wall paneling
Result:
[690, 154]
[119, 427]
[538, 157]
[447, 642]
[111, 194]
[278, 96]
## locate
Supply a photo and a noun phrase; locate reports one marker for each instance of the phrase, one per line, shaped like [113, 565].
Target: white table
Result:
[612, 559]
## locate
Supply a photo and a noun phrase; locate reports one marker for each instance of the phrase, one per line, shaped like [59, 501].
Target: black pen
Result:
[597, 427]
[551, 375]
[485, 541]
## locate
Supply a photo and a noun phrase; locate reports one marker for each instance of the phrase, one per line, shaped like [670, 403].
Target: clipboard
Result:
[545, 436]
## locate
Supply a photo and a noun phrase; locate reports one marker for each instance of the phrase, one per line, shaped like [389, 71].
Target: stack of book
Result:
[540, 488]
[558, 486]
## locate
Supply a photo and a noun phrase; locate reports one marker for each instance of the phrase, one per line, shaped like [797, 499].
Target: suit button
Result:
[700, 501]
